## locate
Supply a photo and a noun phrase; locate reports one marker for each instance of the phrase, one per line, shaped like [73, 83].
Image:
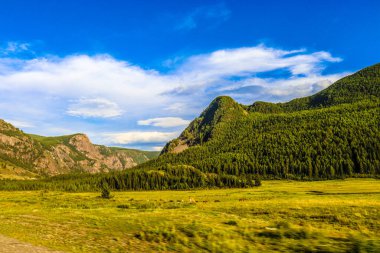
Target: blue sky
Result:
[134, 73]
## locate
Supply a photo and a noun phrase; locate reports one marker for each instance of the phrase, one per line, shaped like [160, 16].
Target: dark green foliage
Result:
[167, 177]
[105, 191]
[231, 223]
[258, 182]
[221, 111]
[334, 142]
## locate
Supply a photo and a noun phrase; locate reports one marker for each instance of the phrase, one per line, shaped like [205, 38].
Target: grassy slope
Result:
[48, 142]
[334, 216]
[11, 171]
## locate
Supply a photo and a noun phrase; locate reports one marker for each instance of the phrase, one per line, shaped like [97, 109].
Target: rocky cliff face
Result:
[60, 155]
[16, 147]
[81, 155]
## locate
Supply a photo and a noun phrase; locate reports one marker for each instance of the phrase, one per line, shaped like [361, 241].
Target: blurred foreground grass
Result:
[325, 216]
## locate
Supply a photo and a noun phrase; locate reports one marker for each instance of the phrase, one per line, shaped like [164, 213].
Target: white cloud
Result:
[20, 123]
[157, 148]
[127, 85]
[94, 107]
[164, 122]
[47, 91]
[242, 62]
[131, 88]
[176, 107]
[139, 137]
[280, 89]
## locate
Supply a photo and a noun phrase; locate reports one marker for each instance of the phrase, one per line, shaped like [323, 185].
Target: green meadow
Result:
[284, 216]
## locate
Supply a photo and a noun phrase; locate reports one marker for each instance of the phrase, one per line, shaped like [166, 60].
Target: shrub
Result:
[231, 223]
[257, 182]
[105, 191]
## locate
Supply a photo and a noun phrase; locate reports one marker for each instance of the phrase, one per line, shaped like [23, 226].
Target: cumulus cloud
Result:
[94, 107]
[164, 122]
[139, 137]
[71, 78]
[242, 62]
[53, 89]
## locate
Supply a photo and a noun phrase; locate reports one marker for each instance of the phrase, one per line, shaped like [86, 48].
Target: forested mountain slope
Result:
[29, 156]
[334, 133]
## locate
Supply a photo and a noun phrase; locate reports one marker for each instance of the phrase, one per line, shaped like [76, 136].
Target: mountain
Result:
[221, 111]
[334, 133]
[360, 86]
[29, 156]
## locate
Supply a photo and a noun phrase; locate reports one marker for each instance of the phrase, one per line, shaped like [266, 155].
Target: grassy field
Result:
[326, 216]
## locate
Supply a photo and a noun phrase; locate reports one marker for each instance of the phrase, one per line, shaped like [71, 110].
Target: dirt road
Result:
[10, 245]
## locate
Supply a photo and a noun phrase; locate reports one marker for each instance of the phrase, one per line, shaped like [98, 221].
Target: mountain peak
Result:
[221, 110]
[223, 99]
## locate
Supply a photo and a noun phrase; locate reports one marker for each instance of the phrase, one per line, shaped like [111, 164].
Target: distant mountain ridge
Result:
[27, 156]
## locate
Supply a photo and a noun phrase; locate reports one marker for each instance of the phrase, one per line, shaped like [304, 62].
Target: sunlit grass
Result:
[328, 216]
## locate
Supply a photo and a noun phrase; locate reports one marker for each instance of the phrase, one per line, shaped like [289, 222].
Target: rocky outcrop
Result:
[82, 155]
[64, 154]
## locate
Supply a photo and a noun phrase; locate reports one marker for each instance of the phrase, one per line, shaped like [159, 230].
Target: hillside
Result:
[209, 124]
[30, 156]
[334, 133]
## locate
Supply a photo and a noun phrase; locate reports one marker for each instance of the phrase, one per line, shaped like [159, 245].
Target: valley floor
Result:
[325, 216]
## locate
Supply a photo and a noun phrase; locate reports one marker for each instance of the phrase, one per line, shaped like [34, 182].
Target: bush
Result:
[257, 182]
[231, 223]
[105, 191]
